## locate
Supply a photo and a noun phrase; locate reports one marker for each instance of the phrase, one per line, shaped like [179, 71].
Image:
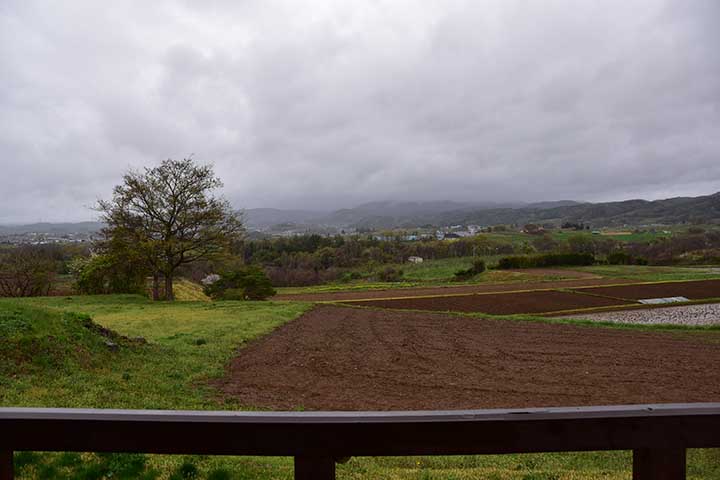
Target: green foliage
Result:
[72, 466]
[61, 362]
[36, 340]
[622, 258]
[389, 274]
[168, 216]
[186, 471]
[108, 273]
[248, 283]
[548, 260]
[477, 268]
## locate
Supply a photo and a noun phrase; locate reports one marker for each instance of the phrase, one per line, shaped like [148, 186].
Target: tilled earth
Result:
[693, 290]
[338, 358]
[539, 301]
[448, 290]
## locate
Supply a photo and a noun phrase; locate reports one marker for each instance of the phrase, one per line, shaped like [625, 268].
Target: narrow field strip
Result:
[694, 290]
[531, 302]
[447, 290]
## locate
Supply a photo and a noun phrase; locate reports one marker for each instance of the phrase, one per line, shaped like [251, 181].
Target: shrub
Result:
[390, 274]
[25, 272]
[346, 277]
[622, 258]
[107, 274]
[549, 260]
[248, 283]
[477, 268]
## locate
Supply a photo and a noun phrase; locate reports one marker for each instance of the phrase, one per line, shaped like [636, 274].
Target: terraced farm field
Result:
[538, 301]
[542, 301]
[694, 290]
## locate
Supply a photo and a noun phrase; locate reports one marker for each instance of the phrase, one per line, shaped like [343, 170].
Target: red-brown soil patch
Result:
[693, 290]
[500, 304]
[336, 358]
[559, 272]
[449, 290]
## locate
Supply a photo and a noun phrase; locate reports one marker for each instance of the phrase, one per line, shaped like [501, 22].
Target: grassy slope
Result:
[427, 274]
[169, 372]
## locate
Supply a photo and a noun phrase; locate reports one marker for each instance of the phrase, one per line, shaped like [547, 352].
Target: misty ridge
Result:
[396, 214]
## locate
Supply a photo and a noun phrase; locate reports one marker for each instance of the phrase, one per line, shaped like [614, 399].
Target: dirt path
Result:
[449, 290]
[336, 358]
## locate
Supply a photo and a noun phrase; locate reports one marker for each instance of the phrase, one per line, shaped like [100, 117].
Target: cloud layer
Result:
[328, 104]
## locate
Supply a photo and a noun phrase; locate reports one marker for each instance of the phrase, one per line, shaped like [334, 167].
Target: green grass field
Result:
[52, 355]
[430, 273]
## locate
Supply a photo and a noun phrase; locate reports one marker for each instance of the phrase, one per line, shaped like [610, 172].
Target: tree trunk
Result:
[169, 295]
[156, 287]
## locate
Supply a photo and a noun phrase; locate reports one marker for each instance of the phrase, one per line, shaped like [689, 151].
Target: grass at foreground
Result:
[53, 355]
[188, 343]
[643, 273]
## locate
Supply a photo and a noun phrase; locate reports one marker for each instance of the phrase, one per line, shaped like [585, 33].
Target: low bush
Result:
[622, 258]
[549, 260]
[477, 268]
[390, 274]
[104, 274]
[247, 283]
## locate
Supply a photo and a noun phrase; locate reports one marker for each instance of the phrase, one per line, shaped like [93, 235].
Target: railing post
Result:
[6, 465]
[659, 464]
[314, 468]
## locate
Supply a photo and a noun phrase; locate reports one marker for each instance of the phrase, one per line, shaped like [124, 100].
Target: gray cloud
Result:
[327, 104]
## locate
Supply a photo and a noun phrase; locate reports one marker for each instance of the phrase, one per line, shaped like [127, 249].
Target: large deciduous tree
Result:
[170, 216]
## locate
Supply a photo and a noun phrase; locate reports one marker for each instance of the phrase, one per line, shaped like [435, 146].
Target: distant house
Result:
[451, 235]
[415, 259]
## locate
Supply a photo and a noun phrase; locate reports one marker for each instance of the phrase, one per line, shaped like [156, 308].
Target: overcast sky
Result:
[326, 104]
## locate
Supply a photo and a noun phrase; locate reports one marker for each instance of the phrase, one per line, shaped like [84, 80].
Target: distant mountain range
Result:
[384, 215]
[393, 214]
[51, 228]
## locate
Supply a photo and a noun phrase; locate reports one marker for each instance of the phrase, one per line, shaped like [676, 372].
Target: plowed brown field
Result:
[693, 290]
[336, 358]
[448, 290]
[501, 304]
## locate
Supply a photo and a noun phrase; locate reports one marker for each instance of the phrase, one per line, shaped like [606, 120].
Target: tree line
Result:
[169, 221]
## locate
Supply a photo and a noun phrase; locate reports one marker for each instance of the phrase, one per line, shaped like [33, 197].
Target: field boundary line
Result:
[609, 297]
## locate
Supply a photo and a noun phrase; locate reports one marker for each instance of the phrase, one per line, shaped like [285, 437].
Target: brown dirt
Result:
[449, 290]
[558, 272]
[692, 290]
[500, 304]
[336, 358]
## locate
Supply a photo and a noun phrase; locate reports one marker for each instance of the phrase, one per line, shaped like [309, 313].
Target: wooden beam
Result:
[344, 434]
[659, 464]
[6, 465]
[314, 468]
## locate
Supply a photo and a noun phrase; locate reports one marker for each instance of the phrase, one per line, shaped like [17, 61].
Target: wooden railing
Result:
[657, 434]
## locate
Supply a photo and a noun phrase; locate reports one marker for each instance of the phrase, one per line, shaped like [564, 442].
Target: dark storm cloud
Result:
[326, 104]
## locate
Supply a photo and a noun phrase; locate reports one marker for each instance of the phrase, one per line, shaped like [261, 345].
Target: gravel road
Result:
[706, 314]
